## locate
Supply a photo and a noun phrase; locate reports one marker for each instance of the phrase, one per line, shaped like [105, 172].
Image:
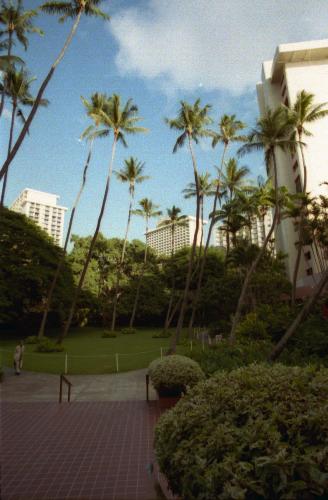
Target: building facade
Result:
[42, 208]
[160, 238]
[259, 230]
[296, 67]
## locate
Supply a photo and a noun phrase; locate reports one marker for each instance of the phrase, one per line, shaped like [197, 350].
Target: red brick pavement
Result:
[82, 450]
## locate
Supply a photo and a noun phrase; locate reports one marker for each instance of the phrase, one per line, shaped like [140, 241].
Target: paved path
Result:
[38, 387]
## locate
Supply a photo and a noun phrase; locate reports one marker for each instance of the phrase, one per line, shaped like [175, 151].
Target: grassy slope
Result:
[88, 352]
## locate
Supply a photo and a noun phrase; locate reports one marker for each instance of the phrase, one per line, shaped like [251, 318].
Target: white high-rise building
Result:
[160, 238]
[259, 230]
[43, 209]
[296, 67]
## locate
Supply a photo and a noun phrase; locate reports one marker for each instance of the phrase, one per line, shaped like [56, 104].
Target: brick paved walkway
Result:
[81, 450]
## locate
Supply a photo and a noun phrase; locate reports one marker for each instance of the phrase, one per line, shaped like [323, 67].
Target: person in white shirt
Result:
[18, 357]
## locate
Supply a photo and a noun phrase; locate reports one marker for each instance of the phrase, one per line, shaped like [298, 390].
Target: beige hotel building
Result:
[296, 67]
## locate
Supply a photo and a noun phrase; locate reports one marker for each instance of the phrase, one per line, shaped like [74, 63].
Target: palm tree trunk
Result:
[166, 324]
[300, 231]
[252, 269]
[67, 239]
[11, 133]
[175, 338]
[3, 93]
[136, 300]
[119, 271]
[277, 350]
[207, 244]
[38, 98]
[92, 244]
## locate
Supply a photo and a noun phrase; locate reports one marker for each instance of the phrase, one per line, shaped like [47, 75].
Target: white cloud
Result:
[216, 44]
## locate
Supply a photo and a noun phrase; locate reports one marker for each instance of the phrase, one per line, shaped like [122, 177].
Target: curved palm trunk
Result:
[67, 239]
[300, 232]
[92, 245]
[11, 134]
[3, 93]
[277, 350]
[38, 98]
[119, 271]
[175, 338]
[252, 269]
[207, 244]
[136, 300]
[168, 313]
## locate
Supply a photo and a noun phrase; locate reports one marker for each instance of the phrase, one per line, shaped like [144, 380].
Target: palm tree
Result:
[97, 102]
[206, 188]
[173, 220]
[192, 121]
[17, 85]
[304, 111]
[132, 174]
[121, 120]
[273, 131]
[229, 129]
[17, 23]
[147, 210]
[71, 9]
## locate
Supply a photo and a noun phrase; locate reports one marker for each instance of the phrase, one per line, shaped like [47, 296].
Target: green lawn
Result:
[88, 352]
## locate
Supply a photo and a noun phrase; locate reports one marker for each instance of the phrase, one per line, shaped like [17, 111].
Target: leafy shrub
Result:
[128, 331]
[312, 338]
[252, 327]
[47, 345]
[276, 318]
[256, 432]
[32, 339]
[161, 335]
[109, 335]
[173, 374]
[226, 357]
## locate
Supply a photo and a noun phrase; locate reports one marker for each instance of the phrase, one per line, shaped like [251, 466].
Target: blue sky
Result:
[156, 52]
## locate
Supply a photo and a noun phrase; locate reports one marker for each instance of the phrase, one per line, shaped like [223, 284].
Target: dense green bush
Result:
[128, 331]
[226, 357]
[161, 335]
[47, 345]
[32, 339]
[109, 335]
[173, 374]
[256, 432]
[252, 327]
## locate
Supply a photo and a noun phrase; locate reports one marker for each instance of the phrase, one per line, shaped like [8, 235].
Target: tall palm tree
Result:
[132, 174]
[96, 103]
[147, 210]
[72, 9]
[17, 85]
[206, 188]
[229, 132]
[173, 220]
[273, 131]
[16, 23]
[303, 112]
[119, 119]
[193, 121]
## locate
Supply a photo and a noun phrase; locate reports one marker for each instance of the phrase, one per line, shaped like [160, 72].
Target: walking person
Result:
[18, 357]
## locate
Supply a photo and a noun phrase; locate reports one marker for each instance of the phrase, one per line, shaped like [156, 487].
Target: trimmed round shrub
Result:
[128, 331]
[161, 335]
[109, 335]
[256, 432]
[173, 374]
[32, 339]
[47, 345]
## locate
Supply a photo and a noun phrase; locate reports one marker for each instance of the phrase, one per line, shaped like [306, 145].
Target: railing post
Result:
[117, 367]
[161, 352]
[66, 364]
[191, 345]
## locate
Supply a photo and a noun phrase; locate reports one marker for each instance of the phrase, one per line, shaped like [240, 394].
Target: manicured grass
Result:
[88, 352]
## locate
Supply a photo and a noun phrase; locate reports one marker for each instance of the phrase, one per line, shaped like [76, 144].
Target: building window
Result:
[307, 255]
[309, 271]
[286, 102]
[295, 165]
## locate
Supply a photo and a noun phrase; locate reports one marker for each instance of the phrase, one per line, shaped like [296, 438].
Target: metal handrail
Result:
[69, 384]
